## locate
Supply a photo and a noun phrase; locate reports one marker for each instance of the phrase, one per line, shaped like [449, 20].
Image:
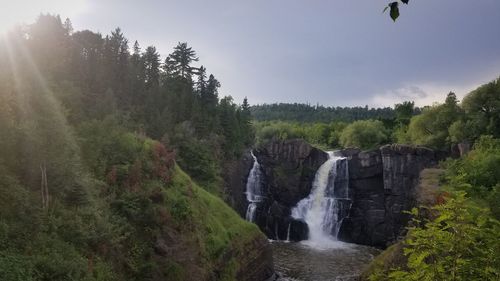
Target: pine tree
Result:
[213, 85]
[201, 85]
[68, 26]
[116, 55]
[179, 62]
[152, 67]
[137, 76]
[246, 129]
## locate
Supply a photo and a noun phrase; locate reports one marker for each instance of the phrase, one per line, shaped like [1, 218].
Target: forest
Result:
[307, 113]
[92, 129]
[106, 151]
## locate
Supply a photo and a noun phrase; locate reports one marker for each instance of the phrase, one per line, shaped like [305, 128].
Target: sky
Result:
[331, 52]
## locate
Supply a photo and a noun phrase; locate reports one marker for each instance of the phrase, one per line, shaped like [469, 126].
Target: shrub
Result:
[364, 134]
[461, 243]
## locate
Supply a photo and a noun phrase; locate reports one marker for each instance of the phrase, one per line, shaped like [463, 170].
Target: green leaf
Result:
[394, 10]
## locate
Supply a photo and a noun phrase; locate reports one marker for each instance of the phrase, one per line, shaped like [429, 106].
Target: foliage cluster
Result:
[442, 125]
[358, 131]
[458, 239]
[459, 243]
[364, 134]
[321, 134]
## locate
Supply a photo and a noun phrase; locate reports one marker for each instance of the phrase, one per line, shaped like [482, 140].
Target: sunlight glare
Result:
[26, 11]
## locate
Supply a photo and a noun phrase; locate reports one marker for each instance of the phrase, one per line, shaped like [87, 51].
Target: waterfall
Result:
[328, 203]
[253, 189]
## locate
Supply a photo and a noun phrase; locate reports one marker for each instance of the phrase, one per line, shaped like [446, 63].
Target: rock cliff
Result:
[383, 183]
[288, 167]
[382, 186]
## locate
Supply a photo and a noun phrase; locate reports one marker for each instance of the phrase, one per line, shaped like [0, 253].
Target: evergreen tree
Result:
[230, 126]
[137, 76]
[68, 26]
[245, 123]
[201, 84]
[178, 63]
[151, 60]
[212, 95]
[116, 55]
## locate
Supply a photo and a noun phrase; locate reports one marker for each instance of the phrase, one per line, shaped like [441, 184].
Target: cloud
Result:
[425, 93]
[406, 93]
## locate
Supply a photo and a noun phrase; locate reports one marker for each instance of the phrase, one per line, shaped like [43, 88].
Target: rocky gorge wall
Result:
[382, 186]
[288, 168]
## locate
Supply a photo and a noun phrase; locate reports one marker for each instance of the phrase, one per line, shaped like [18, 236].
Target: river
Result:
[301, 261]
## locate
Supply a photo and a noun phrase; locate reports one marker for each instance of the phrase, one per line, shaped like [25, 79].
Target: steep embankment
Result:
[122, 211]
[208, 239]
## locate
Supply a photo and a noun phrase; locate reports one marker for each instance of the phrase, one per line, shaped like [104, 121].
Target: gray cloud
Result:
[331, 52]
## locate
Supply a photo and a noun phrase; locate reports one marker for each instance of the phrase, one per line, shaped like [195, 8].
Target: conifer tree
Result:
[178, 63]
[151, 67]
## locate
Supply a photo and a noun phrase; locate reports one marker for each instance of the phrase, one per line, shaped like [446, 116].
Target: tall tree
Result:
[151, 60]
[201, 84]
[48, 43]
[404, 112]
[482, 107]
[116, 56]
[137, 76]
[178, 63]
[245, 123]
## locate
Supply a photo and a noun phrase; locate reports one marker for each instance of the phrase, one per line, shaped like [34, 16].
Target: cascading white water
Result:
[253, 189]
[327, 204]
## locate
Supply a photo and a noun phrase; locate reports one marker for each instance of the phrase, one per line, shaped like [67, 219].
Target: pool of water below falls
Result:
[338, 261]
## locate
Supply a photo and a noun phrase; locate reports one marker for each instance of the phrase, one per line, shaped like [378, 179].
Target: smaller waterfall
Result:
[253, 189]
[328, 203]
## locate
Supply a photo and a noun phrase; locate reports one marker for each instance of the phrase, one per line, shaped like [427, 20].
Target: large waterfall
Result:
[328, 203]
[253, 189]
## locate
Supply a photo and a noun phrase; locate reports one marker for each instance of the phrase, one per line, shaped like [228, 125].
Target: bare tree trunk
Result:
[42, 189]
[44, 186]
[47, 198]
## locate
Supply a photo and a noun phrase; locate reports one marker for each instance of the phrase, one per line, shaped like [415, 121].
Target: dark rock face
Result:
[383, 184]
[288, 169]
[402, 166]
[235, 179]
[366, 221]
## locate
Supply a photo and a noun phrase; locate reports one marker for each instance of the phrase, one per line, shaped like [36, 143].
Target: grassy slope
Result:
[212, 234]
